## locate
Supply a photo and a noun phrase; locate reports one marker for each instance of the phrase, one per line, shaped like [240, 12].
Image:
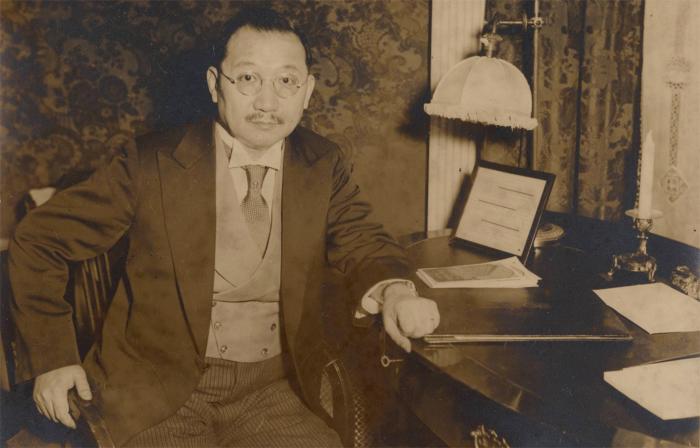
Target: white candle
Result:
[646, 178]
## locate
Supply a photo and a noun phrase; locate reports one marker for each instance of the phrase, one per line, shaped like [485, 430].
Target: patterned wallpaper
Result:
[81, 79]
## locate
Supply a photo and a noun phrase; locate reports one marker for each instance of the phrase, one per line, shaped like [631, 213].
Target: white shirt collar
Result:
[240, 155]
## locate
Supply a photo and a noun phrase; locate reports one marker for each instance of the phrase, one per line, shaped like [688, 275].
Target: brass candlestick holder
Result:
[639, 260]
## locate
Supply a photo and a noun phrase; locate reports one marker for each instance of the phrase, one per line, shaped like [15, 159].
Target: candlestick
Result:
[639, 260]
[646, 177]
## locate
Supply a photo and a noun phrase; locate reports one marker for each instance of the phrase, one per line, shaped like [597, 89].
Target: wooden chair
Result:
[341, 401]
[89, 293]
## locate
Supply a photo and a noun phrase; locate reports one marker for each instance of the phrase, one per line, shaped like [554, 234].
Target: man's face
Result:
[262, 118]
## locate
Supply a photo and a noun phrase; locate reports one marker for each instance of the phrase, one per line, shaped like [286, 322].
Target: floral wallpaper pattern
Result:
[81, 79]
[588, 99]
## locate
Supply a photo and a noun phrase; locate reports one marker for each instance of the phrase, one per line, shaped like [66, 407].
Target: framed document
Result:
[503, 209]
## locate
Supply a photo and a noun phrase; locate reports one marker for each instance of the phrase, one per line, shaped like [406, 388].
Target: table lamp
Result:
[484, 90]
[491, 91]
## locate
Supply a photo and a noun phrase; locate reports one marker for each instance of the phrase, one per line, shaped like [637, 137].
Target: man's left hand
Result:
[406, 315]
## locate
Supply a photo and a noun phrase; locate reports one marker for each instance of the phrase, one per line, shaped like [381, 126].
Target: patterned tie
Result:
[254, 206]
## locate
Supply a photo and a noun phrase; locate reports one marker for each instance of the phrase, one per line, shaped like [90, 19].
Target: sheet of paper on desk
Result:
[655, 307]
[670, 390]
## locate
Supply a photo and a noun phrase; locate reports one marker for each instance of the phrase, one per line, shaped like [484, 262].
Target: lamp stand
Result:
[547, 232]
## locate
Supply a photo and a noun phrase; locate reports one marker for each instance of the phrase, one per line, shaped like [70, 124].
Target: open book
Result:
[507, 273]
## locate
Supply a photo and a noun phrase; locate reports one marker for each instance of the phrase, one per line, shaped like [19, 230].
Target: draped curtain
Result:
[588, 98]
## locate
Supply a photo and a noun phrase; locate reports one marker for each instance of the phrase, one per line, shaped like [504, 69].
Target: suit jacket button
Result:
[217, 325]
[273, 327]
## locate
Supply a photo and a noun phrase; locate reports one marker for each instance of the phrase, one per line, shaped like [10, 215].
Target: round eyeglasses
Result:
[250, 83]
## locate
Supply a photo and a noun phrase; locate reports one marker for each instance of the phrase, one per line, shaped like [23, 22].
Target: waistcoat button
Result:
[264, 352]
[273, 327]
[223, 349]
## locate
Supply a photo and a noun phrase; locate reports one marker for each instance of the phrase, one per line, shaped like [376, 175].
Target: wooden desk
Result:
[535, 393]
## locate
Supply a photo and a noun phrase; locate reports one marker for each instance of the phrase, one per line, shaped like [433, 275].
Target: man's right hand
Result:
[51, 392]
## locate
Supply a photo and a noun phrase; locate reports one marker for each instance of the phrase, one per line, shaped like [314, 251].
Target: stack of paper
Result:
[508, 273]
[670, 389]
[655, 307]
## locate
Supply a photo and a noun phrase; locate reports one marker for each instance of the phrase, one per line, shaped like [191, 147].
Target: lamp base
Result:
[547, 234]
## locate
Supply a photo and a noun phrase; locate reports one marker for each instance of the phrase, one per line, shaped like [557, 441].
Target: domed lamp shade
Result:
[484, 90]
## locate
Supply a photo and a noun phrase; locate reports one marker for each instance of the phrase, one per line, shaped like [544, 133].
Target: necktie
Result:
[254, 206]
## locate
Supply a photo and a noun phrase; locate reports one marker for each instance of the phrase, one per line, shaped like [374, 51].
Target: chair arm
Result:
[344, 400]
[334, 393]
[91, 428]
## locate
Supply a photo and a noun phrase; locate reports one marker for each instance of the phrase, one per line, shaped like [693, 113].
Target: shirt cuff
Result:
[373, 299]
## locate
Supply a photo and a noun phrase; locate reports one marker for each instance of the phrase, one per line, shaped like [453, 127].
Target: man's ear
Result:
[212, 77]
[310, 84]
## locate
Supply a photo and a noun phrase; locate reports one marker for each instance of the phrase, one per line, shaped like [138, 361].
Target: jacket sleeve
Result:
[356, 245]
[78, 223]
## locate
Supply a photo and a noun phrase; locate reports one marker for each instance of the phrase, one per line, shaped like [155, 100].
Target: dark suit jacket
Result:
[150, 354]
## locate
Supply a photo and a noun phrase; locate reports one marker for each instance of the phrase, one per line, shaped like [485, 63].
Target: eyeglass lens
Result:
[285, 84]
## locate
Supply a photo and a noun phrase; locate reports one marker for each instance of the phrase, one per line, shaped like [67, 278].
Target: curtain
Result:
[588, 100]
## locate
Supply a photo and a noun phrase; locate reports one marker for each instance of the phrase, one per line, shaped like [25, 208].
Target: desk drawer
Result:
[452, 412]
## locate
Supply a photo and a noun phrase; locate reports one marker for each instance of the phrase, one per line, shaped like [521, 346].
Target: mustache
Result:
[264, 118]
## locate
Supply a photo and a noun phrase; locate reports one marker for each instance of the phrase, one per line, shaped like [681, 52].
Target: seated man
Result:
[230, 224]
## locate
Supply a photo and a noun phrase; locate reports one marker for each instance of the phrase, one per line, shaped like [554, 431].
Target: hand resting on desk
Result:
[406, 315]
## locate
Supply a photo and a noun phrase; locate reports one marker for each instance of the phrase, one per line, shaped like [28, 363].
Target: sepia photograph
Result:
[349, 223]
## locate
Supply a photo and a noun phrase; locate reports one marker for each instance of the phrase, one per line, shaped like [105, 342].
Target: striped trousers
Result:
[240, 404]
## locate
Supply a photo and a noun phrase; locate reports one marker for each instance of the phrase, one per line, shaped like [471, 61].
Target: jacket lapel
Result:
[189, 201]
[304, 208]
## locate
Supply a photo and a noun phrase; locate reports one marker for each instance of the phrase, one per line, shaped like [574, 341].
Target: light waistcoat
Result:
[245, 306]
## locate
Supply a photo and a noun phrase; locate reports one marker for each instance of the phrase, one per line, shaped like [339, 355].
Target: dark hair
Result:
[261, 19]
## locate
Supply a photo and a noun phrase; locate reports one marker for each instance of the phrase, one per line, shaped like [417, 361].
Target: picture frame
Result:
[503, 210]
